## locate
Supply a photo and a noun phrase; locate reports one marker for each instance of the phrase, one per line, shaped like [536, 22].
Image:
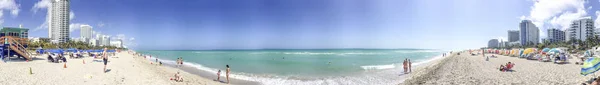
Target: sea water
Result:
[306, 67]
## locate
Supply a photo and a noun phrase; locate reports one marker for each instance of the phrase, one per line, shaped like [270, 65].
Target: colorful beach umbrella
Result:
[529, 50]
[545, 50]
[588, 53]
[555, 50]
[590, 66]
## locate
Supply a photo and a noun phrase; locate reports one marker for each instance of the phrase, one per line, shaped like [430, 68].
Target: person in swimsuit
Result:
[404, 65]
[227, 74]
[105, 59]
[409, 66]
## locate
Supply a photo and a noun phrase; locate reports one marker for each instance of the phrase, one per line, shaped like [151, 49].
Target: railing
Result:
[18, 45]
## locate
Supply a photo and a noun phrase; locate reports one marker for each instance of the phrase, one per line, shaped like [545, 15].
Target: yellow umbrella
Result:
[529, 50]
[514, 52]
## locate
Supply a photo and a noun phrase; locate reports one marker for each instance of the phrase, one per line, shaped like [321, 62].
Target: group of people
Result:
[507, 67]
[179, 62]
[226, 74]
[407, 66]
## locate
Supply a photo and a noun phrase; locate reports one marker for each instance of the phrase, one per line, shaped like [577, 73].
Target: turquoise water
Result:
[298, 64]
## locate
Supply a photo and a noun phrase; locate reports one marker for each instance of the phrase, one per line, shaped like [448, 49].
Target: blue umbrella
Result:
[545, 50]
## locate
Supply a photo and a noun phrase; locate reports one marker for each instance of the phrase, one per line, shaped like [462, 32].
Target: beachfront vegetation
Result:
[571, 45]
[46, 44]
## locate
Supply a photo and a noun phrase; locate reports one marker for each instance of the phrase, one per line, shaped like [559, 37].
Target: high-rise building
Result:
[493, 43]
[513, 35]
[59, 20]
[105, 40]
[529, 33]
[556, 35]
[86, 31]
[581, 29]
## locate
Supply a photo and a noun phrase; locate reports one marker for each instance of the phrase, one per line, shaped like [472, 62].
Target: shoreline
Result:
[380, 74]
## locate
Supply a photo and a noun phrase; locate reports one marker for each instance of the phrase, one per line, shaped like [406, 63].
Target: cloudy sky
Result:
[256, 24]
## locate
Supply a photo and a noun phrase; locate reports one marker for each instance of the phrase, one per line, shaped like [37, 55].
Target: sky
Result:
[302, 24]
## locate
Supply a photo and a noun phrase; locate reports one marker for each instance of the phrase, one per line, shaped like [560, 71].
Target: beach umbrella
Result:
[590, 66]
[555, 50]
[588, 53]
[528, 50]
[545, 50]
[520, 52]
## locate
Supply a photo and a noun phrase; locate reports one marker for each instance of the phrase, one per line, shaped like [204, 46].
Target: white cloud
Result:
[101, 24]
[597, 21]
[42, 4]
[75, 26]
[71, 15]
[127, 41]
[558, 11]
[10, 5]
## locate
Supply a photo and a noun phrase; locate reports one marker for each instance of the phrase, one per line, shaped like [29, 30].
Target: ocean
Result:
[304, 67]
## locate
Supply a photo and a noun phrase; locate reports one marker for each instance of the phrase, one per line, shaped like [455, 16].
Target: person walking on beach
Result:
[105, 59]
[177, 63]
[409, 66]
[180, 60]
[227, 73]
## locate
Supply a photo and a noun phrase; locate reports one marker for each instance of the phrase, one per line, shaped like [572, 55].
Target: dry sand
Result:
[124, 70]
[475, 70]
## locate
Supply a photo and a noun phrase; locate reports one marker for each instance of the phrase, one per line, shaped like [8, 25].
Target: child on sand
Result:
[219, 75]
[177, 78]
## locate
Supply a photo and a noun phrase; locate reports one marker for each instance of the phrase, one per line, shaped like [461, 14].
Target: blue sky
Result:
[304, 24]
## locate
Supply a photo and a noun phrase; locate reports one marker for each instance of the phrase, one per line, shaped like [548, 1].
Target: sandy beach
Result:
[475, 70]
[125, 69]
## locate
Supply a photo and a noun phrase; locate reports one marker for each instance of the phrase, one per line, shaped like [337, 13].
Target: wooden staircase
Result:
[14, 45]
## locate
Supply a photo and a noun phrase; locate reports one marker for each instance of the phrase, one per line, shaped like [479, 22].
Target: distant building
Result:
[493, 43]
[529, 33]
[556, 35]
[86, 31]
[516, 43]
[597, 31]
[93, 42]
[58, 29]
[581, 29]
[513, 35]
[104, 40]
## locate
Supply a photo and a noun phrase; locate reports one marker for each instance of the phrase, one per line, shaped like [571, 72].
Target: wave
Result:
[418, 51]
[378, 67]
[390, 66]
[331, 53]
[375, 79]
